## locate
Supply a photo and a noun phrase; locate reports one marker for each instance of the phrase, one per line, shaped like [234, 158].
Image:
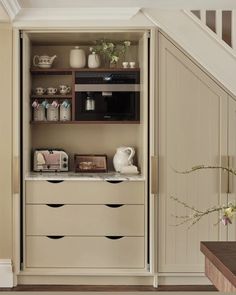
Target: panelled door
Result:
[192, 131]
[232, 162]
[6, 141]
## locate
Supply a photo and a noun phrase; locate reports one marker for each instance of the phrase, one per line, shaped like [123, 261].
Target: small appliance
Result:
[50, 160]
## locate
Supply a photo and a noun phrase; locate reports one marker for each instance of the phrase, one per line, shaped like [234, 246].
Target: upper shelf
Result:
[69, 71]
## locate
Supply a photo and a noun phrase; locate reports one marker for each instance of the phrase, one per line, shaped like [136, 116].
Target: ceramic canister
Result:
[77, 58]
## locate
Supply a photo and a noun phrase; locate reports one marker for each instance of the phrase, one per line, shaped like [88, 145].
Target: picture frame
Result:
[90, 163]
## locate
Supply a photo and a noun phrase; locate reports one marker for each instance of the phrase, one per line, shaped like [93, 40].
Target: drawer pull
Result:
[114, 237]
[55, 237]
[114, 181]
[55, 181]
[55, 205]
[114, 205]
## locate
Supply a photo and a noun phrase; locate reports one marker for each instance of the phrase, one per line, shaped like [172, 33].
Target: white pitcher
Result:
[123, 157]
[93, 61]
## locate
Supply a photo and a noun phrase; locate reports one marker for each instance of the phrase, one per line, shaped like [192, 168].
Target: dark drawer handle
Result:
[114, 181]
[55, 205]
[114, 237]
[114, 205]
[55, 237]
[55, 181]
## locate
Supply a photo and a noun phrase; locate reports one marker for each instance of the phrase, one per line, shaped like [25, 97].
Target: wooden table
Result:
[220, 264]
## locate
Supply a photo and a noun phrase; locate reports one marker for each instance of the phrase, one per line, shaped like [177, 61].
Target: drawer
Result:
[85, 192]
[90, 252]
[90, 220]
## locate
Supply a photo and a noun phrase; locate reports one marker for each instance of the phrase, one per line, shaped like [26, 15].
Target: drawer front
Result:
[85, 192]
[90, 252]
[90, 220]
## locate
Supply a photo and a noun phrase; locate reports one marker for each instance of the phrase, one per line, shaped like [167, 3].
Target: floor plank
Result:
[101, 288]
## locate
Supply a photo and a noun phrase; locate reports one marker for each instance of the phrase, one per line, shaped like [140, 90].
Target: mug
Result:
[132, 64]
[39, 90]
[51, 90]
[64, 89]
[125, 64]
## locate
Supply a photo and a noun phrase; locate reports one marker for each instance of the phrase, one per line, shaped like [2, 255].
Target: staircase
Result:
[208, 36]
[222, 23]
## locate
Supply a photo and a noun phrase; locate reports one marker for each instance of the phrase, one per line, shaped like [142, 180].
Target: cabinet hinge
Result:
[21, 35]
[149, 34]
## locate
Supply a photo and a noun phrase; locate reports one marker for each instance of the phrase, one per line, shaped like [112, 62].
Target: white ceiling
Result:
[28, 10]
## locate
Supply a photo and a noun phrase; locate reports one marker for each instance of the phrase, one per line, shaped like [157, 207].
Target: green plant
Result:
[110, 50]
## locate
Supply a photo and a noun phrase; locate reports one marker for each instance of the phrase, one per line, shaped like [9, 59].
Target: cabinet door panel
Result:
[192, 131]
[232, 163]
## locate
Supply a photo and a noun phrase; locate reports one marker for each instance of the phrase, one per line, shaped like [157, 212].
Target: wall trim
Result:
[6, 273]
[12, 7]
[83, 13]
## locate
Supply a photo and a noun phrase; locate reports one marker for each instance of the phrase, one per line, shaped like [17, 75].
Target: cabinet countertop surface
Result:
[82, 176]
[223, 256]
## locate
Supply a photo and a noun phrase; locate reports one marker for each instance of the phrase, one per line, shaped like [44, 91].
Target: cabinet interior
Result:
[86, 137]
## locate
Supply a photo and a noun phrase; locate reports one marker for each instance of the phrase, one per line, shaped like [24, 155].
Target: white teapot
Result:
[43, 61]
[123, 157]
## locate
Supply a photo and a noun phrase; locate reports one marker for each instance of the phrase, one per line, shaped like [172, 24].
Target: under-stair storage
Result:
[78, 220]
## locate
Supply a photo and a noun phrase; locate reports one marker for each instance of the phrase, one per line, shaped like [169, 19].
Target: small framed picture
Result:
[90, 163]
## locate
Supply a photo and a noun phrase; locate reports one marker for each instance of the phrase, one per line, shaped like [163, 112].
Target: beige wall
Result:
[5, 141]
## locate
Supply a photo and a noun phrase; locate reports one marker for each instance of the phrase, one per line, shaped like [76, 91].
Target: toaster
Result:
[50, 160]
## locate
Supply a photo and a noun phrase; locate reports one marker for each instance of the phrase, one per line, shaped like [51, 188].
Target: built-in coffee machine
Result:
[111, 96]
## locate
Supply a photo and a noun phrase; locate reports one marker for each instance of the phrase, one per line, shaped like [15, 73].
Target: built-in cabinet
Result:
[78, 221]
[108, 223]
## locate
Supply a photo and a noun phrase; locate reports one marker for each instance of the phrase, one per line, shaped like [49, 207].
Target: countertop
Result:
[112, 176]
[223, 256]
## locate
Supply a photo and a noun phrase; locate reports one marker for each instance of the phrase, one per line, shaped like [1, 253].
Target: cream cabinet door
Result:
[232, 162]
[6, 141]
[192, 131]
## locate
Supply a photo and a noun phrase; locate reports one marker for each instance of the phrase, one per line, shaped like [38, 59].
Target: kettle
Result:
[123, 157]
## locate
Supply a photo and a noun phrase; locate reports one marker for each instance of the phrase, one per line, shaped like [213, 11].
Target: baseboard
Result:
[183, 279]
[83, 280]
[6, 273]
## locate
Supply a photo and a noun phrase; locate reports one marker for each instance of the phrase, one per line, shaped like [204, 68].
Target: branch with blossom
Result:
[227, 211]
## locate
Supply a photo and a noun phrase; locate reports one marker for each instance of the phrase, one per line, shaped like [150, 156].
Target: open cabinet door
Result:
[153, 152]
[6, 155]
[192, 131]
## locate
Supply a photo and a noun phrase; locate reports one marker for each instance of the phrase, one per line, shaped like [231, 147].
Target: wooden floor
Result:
[89, 288]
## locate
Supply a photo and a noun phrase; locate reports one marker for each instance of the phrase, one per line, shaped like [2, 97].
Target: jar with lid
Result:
[77, 58]
[53, 111]
[39, 113]
[65, 111]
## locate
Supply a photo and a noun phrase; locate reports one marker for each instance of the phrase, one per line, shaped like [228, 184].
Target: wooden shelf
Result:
[69, 71]
[46, 96]
[82, 122]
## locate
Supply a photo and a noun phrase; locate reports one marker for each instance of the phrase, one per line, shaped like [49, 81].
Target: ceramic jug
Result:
[93, 60]
[123, 157]
[77, 58]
